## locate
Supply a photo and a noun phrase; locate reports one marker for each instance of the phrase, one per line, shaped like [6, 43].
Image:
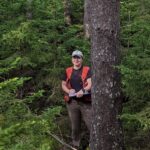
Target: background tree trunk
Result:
[106, 131]
[87, 18]
[29, 9]
[67, 11]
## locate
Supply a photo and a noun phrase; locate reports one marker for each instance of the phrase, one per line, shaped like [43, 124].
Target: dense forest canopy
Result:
[36, 44]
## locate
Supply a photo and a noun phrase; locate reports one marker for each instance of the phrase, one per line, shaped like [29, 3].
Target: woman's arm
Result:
[64, 87]
[89, 85]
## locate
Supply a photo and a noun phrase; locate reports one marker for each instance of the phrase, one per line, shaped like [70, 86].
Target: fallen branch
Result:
[61, 141]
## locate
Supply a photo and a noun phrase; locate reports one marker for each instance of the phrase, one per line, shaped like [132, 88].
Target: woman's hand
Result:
[71, 92]
[79, 94]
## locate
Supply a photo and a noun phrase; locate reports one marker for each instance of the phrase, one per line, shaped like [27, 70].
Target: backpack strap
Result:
[84, 73]
[69, 73]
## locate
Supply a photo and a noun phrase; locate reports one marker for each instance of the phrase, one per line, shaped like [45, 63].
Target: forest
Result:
[36, 43]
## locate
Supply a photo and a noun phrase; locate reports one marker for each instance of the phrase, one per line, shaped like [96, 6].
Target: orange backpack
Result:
[83, 77]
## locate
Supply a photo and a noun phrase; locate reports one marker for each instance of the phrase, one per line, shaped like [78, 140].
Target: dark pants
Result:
[78, 110]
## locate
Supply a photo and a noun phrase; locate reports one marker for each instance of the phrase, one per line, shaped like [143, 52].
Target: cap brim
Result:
[77, 56]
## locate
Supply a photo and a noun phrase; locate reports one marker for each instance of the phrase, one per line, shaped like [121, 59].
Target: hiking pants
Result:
[78, 110]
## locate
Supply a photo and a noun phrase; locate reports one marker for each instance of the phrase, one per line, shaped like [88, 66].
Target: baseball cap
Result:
[77, 53]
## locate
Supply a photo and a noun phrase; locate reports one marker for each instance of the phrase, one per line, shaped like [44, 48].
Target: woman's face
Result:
[77, 61]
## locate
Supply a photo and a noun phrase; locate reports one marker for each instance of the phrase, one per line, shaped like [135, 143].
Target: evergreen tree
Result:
[106, 131]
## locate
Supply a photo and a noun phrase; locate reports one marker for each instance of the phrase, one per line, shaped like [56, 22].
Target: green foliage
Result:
[35, 49]
[20, 128]
[4, 65]
[32, 133]
[135, 69]
[135, 65]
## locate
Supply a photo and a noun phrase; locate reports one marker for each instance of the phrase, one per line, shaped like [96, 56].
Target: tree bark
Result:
[106, 131]
[67, 11]
[29, 9]
[87, 19]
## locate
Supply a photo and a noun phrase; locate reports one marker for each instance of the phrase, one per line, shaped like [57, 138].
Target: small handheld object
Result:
[74, 94]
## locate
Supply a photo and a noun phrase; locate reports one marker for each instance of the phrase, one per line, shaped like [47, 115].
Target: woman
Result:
[76, 83]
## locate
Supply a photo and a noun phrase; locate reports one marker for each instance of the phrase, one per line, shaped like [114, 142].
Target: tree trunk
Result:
[29, 9]
[87, 18]
[106, 131]
[67, 11]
